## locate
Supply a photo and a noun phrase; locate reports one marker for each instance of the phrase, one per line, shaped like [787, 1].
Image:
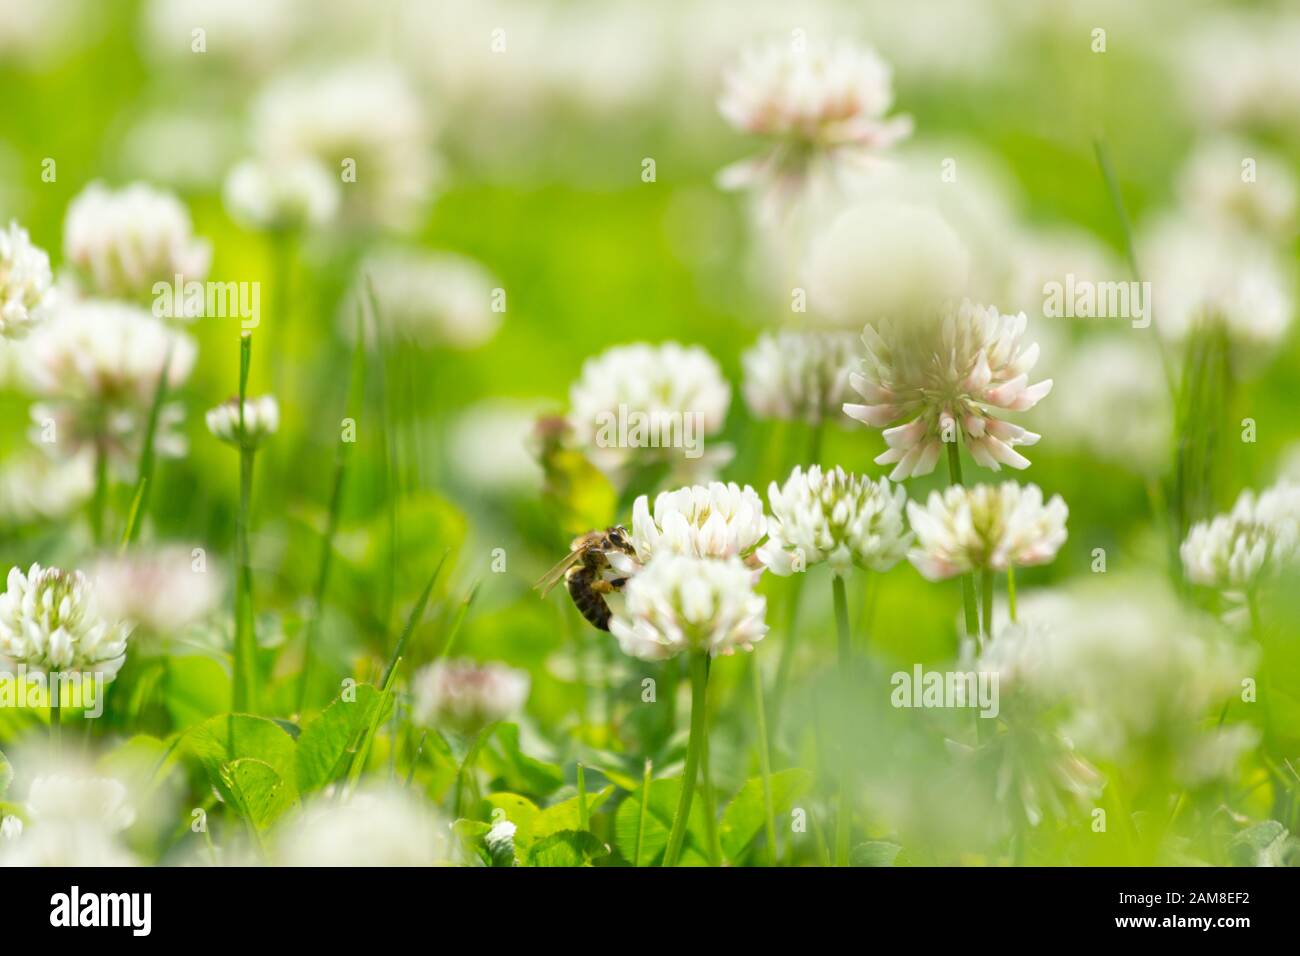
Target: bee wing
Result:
[556, 574]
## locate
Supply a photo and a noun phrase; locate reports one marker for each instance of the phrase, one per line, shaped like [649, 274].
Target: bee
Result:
[585, 569]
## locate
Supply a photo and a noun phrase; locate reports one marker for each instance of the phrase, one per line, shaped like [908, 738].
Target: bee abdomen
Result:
[590, 604]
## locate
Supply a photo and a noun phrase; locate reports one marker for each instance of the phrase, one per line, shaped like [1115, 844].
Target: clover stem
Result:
[1011, 592]
[843, 822]
[967, 583]
[764, 761]
[699, 668]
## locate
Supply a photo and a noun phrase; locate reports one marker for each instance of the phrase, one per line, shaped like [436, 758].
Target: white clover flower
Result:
[26, 283]
[799, 376]
[51, 623]
[36, 487]
[1239, 69]
[681, 603]
[429, 298]
[1239, 550]
[96, 366]
[1107, 381]
[882, 259]
[823, 111]
[11, 827]
[706, 521]
[985, 528]
[379, 826]
[261, 420]
[75, 818]
[1134, 675]
[1201, 274]
[948, 372]
[837, 517]
[365, 123]
[162, 591]
[641, 401]
[247, 36]
[466, 696]
[1231, 183]
[123, 242]
[296, 193]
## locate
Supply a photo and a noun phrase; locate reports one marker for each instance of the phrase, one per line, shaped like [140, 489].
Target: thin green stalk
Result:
[710, 806]
[764, 761]
[645, 803]
[144, 473]
[584, 822]
[967, 584]
[699, 667]
[987, 581]
[843, 823]
[461, 612]
[1011, 592]
[99, 503]
[56, 715]
[244, 684]
[785, 663]
[133, 516]
[417, 612]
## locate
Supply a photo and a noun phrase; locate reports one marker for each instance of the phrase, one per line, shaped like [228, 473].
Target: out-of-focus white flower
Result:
[1051, 256]
[1234, 184]
[647, 402]
[884, 259]
[799, 376]
[161, 591]
[1134, 675]
[707, 521]
[837, 517]
[96, 366]
[75, 819]
[1199, 274]
[26, 283]
[1239, 550]
[364, 122]
[681, 603]
[823, 110]
[489, 446]
[51, 622]
[183, 149]
[1110, 380]
[123, 241]
[41, 34]
[466, 696]
[1239, 69]
[36, 487]
[948, 372]
[429, 298]
[250, 35]
[261, 420]
[295, 193]
[500, 842]
[11, 828]
[985, 528]
[380, 826]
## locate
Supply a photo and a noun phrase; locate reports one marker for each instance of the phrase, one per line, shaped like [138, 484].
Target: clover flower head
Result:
[375, 826]
[124, 241]
[799, 376]
[682, 603]
[50, 622]
[1239, 550]
[429, 298]
[1229, 182]
[161, 591]
[985, 528]
[948, 373]
[26, 283]
[707, 521]
[837, 517]
[276, 195]
[824, 105]
[75, 817]
[261, 420]
[634, 403]
[466, 696]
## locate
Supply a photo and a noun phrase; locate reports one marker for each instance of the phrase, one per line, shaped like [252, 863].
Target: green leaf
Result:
[503, 759]
[328, 742]
[744, 816]
[194, 689]
[1263, 844]
[227, 738]
[658, 822]
[261, 794]
[567, 815]
[470, 833]
[6, 774]
[566, 848]
[875, 853]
